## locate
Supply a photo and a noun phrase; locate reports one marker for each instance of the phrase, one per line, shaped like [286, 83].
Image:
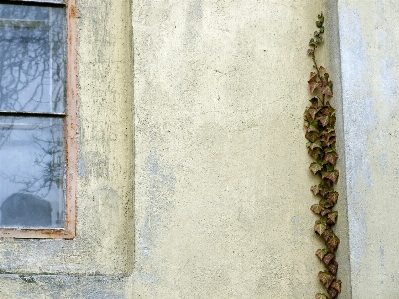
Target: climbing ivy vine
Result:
[320, 133]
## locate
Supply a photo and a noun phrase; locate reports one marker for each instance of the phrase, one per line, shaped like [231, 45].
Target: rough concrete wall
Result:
[369, 37]
[222, 180]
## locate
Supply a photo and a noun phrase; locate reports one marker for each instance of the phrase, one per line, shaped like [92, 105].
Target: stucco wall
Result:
[369, 48]
[222, 180]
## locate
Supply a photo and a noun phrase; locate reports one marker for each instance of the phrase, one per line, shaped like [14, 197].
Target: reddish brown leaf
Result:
[316, 167]
[313, 126]
[313, 111]
[331, 175]
[328, 258]
[313, 85]
[315, 154]
[327, 89]
[313, 145]
[321, 253]
[326, 204]
[312, 136]
[325, 212]
[332, 217]
[333, 242]
[324, 120]
[315, 189]
[313, 76]
[333, 292]
[336, 285]
[331, 157]
[320, 226]
[310, 51]
[316, 208]
[306, 115]
[327, 234]
[326, 278]
[333, 197]
[325, 188]
[331, 141]
[333, 267]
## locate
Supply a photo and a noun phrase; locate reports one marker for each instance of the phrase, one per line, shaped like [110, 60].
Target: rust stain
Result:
[72, 12]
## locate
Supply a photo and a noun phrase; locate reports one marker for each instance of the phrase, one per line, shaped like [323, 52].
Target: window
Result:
[37, 120]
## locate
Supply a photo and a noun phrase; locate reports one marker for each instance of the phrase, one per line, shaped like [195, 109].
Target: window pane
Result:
[32, 60]
[31, 172]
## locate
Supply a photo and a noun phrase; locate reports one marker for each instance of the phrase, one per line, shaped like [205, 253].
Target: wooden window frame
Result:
[70, 133]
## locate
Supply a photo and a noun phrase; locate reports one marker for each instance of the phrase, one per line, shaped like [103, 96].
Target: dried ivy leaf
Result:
[328, 258]
[325, 212]
[333, 267]
[312, 136]
[331, 175]
[313, 85]
[327, 204]
[325, 187]
[313, 76]
[317, 208]
[332, 292]
[332, 217]
[336, 285]
[327, 115]
[316, 167]
[321, 253]
[321, 296]
[320, 225]
[331, 157]
[315, 153]
[315, 189]
[307, 116]
[333, 242]
[326, 278]
[328, 137]
[313, 111]
[313, 145]
[313, 126]
[327, 89]
[313, 82]
[327, 234]
[333, 197]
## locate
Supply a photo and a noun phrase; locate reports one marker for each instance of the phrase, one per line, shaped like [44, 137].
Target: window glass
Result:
[32, 63]
[31, 168]
[32, 116]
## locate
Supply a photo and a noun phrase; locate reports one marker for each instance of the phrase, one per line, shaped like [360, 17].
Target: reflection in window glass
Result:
[31, 172]
[32, 60]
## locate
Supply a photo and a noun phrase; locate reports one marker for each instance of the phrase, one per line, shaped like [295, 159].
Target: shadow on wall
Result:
[25, 210]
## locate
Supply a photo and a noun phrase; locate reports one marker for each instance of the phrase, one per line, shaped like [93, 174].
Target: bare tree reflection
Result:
[49, 161]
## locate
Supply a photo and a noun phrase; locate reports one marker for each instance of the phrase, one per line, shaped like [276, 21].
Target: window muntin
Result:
[32, 117]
